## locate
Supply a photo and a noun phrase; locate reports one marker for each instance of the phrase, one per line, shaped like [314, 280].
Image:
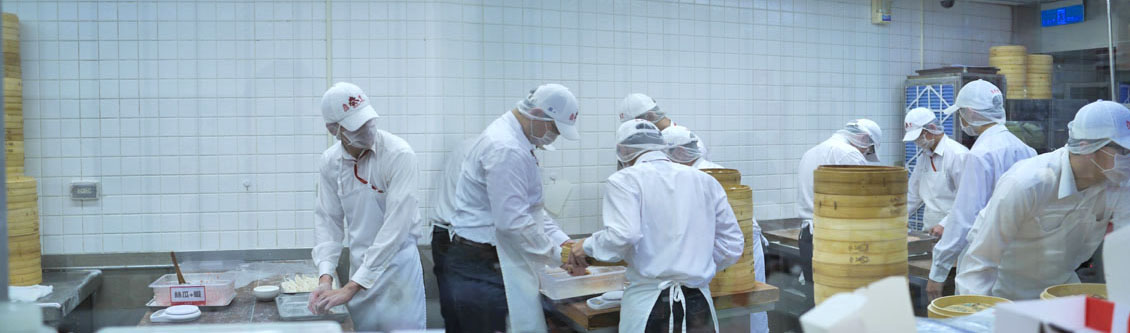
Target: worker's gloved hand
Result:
[937, 231]
[933, 289]
[335, 297]
[325, 284]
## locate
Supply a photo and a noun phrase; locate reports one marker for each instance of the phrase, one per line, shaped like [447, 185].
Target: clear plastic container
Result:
[558, 284]
[219, 289]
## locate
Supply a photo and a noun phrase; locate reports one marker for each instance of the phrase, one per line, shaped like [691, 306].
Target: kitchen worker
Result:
[442, 213]
[937, 170]
[682, 148]
[640, 106]
[673, 226]
[368, 189]
[1048, 214]
[980, 110]
[501, 241]
[855, 144]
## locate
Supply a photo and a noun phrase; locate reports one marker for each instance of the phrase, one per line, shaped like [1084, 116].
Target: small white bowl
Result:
[265, 293]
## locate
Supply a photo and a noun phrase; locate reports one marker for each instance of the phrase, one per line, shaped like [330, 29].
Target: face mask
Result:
[924, 144]
[966, 128]
[363, 138]
[545, 139]
[1120, 172]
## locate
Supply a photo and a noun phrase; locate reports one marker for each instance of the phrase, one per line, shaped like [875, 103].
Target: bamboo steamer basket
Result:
[24, 266]
[938, 308]
[1074, 289]
[1008, 50]
[878, 271]
[1040, 59]
[11, 58]
[14, 151]
[1008, 60]
[822, 292]
[11, 45]
[859, 226]
[13, 87]
[13, 71]
[13, 134]
[726, 177]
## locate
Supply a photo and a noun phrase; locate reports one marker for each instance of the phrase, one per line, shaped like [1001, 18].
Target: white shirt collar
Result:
[652, 156]
[516, 130]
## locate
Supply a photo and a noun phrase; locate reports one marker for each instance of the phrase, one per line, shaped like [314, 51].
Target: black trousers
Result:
[805, 245]
[697, 315]
[440, 244]
[474, 280]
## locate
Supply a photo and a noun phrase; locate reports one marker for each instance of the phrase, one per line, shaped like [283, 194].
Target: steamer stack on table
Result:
[740, 277]
[23, 211]
[859, 227]
[1039, 76]
[1013, 63]
[1028, 76]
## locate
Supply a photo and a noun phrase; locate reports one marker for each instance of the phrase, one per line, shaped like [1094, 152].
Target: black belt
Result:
[460, 240]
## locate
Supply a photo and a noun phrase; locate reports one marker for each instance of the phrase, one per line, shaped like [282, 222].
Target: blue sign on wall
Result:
[1061, 16]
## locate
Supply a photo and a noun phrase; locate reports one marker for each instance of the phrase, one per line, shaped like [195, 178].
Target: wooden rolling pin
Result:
[567, 248]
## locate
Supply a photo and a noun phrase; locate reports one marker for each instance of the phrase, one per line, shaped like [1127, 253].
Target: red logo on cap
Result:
[1128, 124]
[907, 126]
[353, 103]
[573, 117]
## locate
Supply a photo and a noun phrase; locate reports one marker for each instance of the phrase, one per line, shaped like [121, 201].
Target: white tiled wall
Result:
[200, 118]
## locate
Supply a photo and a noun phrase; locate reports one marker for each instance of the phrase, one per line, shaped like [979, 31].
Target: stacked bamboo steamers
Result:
[741, 276]
[1027, 76]
[23, 212]
[859, 227]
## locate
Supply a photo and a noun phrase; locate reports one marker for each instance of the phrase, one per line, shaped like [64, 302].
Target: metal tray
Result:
[293, 308]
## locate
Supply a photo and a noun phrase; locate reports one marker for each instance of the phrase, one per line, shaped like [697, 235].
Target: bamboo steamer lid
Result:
[738, 192]
[1040, 59]
[855, 235]
[726, 177]
[1007, 60]
[860, 247]
[886, 223]
[14, 170]
[858, 206]
[859, 259]
[20, 182]
[1008, 50]
[22, 205]
[859, 180]
[1074, 289]
[879, 271]
[23, 197]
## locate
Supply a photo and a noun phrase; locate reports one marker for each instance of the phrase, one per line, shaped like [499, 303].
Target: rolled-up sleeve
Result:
[1010, 207]
[507, 189]
[621, 232]
[329, 227]
[972, 195]
[400, 217]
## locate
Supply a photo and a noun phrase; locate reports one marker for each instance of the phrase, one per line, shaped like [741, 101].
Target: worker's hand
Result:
[332, 298]
[325, 284]
[577, 263]
[933, 289]
[937, 231]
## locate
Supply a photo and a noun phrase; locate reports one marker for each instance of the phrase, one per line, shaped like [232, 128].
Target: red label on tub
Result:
[187, 295]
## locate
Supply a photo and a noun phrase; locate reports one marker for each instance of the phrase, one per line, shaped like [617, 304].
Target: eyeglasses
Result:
[1118, 150]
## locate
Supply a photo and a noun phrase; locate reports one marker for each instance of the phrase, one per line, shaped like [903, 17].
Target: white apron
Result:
[396, 300]
[640, 296]
[519, 277]
[931, 218]
[759, 322]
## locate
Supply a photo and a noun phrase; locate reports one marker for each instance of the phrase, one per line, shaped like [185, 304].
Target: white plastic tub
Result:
[558, 284]
[219, 289]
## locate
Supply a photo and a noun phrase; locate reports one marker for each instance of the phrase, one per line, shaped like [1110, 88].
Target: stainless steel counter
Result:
[71, 289]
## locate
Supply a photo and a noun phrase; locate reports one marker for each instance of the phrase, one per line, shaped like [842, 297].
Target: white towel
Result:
[29, 293]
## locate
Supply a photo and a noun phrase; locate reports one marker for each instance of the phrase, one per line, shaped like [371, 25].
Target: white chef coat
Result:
[444, 210]
[501, 157]
[1037, 228]
[671, 224]
[499, 201]
[994, 152]
[834, 151]
[702, 163]
[373, 199]
[934, 180]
